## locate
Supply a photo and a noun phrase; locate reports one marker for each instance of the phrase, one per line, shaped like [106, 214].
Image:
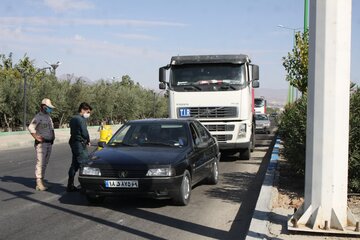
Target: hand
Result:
[39, 138]
[89, 144]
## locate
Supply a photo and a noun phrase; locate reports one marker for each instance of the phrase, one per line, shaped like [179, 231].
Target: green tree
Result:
[354, 141]
[11, 89]
[127, 81]
[296, 62]
[111, 100]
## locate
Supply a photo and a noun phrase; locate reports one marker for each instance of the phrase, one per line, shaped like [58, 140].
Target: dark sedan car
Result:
[161, 158]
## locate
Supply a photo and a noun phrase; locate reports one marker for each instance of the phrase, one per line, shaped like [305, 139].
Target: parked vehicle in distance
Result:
[260, 105]
[262, 123]
[160, 158]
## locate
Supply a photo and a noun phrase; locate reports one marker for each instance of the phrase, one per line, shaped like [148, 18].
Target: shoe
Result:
[40, 185]
[72, 188]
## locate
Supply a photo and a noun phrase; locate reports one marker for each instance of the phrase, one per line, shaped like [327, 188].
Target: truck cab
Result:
[218, 91]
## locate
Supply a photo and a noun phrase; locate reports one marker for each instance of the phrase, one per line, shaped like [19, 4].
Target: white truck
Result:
[260, 105]
[218, 91]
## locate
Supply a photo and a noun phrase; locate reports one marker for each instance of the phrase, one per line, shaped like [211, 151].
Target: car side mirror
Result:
[101, 144]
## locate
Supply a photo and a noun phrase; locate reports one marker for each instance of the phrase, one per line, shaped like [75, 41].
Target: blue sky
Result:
[110, 38]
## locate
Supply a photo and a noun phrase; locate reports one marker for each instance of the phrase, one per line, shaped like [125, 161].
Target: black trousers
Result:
[79, 155]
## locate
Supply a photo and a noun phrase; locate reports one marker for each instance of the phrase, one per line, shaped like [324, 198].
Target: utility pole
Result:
[154, 105]
[306, 15]
[291, 90]
[327, 134]
[25, 102]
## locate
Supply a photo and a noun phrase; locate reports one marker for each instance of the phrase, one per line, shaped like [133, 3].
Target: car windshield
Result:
[207, 77]
[151, 134]
[261, 117]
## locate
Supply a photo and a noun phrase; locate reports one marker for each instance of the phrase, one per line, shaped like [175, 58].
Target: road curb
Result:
[259, 226]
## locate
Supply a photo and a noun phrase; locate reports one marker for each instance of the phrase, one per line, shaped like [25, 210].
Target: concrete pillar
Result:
[325, 203]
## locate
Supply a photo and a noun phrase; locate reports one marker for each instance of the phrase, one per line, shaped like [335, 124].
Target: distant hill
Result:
[274, 97]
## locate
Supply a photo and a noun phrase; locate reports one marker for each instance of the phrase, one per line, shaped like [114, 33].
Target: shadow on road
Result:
[97, 220]
[54, 188]
[242, 221]
[233, 187]
[233, 190]
[188, 226]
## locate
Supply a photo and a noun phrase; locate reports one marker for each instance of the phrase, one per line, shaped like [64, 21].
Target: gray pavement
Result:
[269, 222]
[259, 226]
[222, 211]
[262, 224]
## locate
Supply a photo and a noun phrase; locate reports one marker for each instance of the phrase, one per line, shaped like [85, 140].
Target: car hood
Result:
[136, 156]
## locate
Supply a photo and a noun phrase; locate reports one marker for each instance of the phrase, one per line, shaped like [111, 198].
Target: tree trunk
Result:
[61, 121]
[8, 128]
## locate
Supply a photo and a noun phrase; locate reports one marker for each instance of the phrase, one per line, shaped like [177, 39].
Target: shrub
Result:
[354, 142]
[292, 131]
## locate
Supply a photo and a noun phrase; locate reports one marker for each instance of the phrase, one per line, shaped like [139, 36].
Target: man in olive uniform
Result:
[42, 129]
[79, 140]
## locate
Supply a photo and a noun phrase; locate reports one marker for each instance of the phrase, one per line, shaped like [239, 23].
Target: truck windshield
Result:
[207, 77]
[259, 102]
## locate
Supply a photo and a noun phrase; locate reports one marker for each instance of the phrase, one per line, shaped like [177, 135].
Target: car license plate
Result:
[121, 184]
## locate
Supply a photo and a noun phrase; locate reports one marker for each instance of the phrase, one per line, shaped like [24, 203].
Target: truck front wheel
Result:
[252, 140]
[245, 153]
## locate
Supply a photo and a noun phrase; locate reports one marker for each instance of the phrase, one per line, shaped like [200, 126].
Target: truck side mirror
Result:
[162, 74]
[255, 84]
[162, 85]
[255, 72]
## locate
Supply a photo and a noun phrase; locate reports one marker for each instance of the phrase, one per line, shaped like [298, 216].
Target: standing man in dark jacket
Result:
[79, 140]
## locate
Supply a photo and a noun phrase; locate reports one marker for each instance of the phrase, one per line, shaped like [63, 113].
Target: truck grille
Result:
[223, 138]
[220, 128]
[212, 112]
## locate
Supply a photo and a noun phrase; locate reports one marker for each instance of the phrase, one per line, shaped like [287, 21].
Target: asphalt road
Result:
[222, 211]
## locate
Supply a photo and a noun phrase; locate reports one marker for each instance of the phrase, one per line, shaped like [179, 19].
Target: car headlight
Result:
[267, 124]
[160, 172]
[90, 171]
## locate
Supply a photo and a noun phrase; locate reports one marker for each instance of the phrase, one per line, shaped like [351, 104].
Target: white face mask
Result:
[86, 115]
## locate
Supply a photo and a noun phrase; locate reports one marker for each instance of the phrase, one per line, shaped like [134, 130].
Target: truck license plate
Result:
[184, 112]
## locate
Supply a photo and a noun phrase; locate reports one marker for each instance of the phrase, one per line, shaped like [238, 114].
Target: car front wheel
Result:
[182, 196]
[214, 176]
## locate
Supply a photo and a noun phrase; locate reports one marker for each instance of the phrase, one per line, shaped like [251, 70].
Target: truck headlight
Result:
[160, 172]
[90, 171]
[242, 131]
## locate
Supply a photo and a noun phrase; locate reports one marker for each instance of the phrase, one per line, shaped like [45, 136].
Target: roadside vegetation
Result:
[112, 100]
[292, 122]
